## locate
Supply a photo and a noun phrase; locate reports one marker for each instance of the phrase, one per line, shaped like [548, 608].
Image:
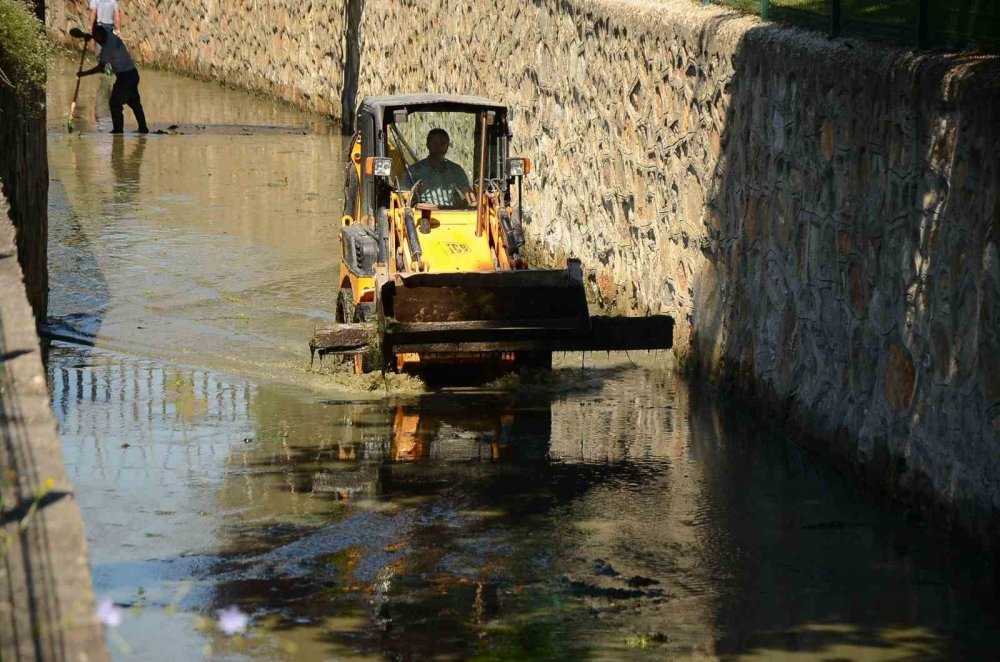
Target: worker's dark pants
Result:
[126, 92]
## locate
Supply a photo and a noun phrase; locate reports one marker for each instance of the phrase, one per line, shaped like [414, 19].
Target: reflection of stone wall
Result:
[291, 50]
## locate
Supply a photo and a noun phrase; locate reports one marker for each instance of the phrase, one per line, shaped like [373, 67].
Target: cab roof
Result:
[379, 106]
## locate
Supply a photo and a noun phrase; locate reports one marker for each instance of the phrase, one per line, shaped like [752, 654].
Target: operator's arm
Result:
[118, 19]
[463, 179]
[102, 62]
[415, 173]
[461, 184]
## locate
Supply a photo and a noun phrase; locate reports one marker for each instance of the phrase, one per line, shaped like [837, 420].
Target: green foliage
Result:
[968, 24]
[24, 51]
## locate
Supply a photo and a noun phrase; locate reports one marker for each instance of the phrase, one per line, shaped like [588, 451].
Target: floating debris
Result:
[232, 621]
[109, 614]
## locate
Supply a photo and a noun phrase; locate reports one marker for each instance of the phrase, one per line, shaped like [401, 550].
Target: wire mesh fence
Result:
[969, 24]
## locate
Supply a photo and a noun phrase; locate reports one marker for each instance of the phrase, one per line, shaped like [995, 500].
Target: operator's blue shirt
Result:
[445, 187]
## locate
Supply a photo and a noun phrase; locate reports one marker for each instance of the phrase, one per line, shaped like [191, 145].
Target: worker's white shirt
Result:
[105, 10]
[113, 52]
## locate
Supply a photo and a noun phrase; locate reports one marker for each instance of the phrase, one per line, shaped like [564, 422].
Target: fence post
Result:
[834, 18]
[765, 8]
[924, 24]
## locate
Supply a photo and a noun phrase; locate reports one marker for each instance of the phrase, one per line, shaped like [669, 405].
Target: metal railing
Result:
[964, 24]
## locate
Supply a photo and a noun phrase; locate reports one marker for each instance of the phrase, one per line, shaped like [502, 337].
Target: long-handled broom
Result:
[77, 33]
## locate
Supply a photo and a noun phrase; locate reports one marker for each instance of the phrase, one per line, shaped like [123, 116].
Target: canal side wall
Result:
[292, 51]
[46, 595]
[24, 180]
[819, 216]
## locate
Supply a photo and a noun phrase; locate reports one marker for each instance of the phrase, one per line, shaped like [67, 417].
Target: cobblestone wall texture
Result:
[289, 50]
[820, 216]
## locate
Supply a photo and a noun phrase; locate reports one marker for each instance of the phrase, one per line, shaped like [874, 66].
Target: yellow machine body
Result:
[432, 267]
[471, 238]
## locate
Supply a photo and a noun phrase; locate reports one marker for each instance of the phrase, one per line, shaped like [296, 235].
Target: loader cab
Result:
[429, 192]
[401, 128]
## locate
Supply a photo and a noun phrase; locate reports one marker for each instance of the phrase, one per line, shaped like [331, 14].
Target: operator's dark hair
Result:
[100, 31]
[438, 132]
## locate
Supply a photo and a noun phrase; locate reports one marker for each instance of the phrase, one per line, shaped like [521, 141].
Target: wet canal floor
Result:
[605, 512]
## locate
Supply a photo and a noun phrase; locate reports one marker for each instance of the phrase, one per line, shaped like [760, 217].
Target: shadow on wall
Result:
[854, 284]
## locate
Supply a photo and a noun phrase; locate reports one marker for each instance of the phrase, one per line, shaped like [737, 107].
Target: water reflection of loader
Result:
[452, 512]
[431, 443]
[478, 437]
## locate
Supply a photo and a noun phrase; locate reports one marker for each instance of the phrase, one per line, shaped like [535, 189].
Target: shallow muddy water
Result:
[604, 512]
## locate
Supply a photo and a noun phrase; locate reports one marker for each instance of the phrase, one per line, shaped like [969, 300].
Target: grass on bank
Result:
[962, 23]
[24, 50]
[891, 12]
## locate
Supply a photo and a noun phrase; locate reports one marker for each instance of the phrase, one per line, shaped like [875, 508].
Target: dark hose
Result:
[382, 230]
[411, 235]
[512, 241]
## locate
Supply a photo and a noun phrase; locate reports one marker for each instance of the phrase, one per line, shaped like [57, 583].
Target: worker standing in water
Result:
[126, 88]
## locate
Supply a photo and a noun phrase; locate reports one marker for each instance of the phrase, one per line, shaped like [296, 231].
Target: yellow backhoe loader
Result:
[433, 270]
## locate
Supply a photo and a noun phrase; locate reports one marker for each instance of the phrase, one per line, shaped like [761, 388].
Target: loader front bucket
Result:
[475, 312]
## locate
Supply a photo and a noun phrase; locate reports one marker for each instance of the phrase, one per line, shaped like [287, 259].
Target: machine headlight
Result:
[518, 167]
[378, 166]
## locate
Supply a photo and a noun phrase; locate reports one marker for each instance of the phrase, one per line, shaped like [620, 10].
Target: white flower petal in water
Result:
[109, 614]
[232, 621]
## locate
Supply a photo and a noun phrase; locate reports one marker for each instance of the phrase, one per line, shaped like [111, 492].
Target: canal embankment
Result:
[819, 216]
[24, 172]
[46, 598]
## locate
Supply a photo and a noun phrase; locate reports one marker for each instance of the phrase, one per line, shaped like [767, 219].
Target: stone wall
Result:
[290, 50]
[819, 216]
[24, 178]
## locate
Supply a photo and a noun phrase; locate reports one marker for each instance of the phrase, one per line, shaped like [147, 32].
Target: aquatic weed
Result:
[646, 640]
[373, 357]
